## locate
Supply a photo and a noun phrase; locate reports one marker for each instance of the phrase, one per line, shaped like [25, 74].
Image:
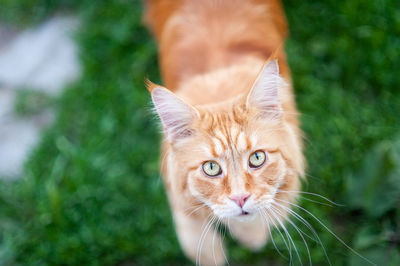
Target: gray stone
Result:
[43, 58]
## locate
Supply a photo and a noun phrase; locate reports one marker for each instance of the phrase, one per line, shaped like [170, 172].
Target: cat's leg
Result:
[199, 239]
[253, 234]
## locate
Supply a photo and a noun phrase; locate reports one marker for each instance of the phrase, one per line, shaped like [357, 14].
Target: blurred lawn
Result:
[92, 195]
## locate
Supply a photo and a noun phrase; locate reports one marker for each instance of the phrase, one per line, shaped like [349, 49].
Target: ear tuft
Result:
[264, 95]
[176, 115]
[149, 85]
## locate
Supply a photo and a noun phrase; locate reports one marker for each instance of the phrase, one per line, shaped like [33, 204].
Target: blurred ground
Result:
[90, 192]
[43, 59]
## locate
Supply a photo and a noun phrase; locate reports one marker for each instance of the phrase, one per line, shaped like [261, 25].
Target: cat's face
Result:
[237, 167]
[234, 159]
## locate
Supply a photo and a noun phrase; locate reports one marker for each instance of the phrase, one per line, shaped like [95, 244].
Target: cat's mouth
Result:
[245, 216]
[244, 213]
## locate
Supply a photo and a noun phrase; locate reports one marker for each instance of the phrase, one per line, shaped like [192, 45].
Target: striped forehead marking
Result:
[236, 142]
[218, 146]
[227, 136]
[241, 144]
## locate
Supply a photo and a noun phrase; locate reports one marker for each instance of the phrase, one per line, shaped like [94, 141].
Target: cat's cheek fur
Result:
[201, 189]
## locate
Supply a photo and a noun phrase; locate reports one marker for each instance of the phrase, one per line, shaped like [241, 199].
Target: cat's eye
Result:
[257, 159]
[211, 168]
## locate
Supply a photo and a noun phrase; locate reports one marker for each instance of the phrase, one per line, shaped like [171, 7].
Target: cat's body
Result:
[211, 54]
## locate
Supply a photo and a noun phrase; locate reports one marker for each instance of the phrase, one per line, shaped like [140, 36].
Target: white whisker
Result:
[297, 229]
[329, 230]
[196, 209]
[280, 233]
[308, 225]
[220, 244]
[316, 201]
[288, 234]
[290, 212]
[203, 233]
[213, 240]
[270, 232]
[313, 194]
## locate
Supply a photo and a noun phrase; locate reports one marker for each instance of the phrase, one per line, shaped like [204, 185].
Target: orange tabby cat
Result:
[232, 144]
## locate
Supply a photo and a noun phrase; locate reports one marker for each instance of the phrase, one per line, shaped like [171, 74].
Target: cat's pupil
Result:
[211, 166]
[256, 155]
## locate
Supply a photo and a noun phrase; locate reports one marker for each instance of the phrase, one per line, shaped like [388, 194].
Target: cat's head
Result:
[235, 156]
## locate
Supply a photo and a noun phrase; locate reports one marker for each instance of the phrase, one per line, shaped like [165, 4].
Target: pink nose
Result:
[240, 199]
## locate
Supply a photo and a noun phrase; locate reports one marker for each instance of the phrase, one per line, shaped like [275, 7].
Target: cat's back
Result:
[197, 37]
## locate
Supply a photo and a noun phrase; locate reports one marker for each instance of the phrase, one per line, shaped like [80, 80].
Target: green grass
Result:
[91, 193]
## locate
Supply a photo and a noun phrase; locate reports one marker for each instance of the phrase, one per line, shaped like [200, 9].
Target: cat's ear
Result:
[264, 95]
[176, 116]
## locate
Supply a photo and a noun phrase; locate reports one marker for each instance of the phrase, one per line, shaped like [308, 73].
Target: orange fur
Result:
[223, 109]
